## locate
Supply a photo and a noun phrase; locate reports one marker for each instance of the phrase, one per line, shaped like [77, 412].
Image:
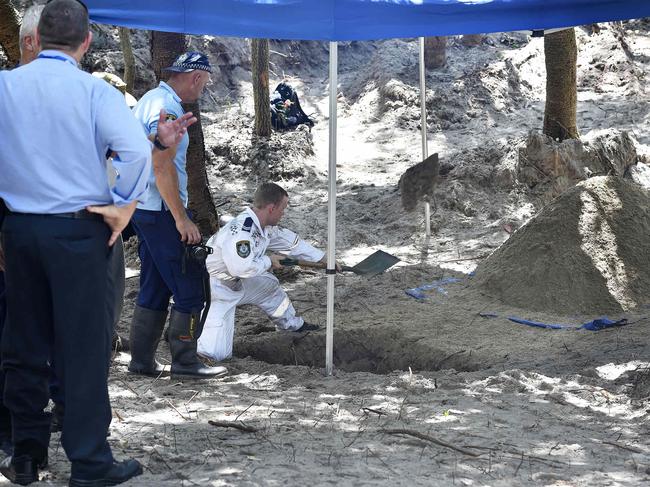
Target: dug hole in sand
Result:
[584, 255]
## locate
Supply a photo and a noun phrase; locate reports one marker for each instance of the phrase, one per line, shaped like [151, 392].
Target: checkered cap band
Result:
[189, 61]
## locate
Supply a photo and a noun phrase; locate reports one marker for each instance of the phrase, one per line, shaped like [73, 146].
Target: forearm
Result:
[249, 267]
[305, 251]
[167, 182]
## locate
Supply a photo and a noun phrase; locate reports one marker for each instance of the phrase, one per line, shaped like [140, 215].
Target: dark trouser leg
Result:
[115, 297]
[150, 312]
[5, 415]
[162, 250]
[154, 293]
[114, 302]
[116, 282]
[63, 264]
[26, 349]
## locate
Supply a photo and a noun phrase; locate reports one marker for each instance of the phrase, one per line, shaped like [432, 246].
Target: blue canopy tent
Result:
[339, 20]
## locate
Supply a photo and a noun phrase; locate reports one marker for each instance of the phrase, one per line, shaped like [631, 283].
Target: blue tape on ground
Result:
[594, 325]
[417, 293]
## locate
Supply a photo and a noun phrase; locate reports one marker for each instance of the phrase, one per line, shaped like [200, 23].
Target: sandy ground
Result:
[426, 392]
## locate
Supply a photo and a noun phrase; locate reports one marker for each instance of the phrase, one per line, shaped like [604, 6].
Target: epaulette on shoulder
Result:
[248, 224]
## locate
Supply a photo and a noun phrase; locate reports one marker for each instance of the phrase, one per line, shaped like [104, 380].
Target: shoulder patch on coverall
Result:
[243, 248]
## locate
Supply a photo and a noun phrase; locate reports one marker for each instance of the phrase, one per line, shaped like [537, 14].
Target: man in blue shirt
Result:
[164, 229]
[29, 49]
[62, 220]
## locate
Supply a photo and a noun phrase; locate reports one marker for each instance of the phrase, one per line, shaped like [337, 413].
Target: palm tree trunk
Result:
[129, 59]
[261, 100]
[561, 53]
[200, 199]
[435, 52]
[165, 48]
[9, 32]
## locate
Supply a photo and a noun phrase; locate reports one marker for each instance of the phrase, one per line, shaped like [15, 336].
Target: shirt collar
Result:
[58, 54]
[169, 89]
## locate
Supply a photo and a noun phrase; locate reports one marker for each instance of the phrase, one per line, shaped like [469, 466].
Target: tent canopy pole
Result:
[423, 125]
[331, 212]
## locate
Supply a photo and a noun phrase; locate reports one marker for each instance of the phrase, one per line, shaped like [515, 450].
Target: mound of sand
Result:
[586, 252]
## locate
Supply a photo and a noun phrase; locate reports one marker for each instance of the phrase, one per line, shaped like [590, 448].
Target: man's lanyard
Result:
[58, 58]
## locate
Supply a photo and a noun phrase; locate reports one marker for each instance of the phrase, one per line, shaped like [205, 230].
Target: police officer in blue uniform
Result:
[29, 49]
[62, 219]
[165, 229]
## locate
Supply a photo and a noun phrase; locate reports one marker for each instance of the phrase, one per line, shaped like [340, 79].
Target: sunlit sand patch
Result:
[599, 243]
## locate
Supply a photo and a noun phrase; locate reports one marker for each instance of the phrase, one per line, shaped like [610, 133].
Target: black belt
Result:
[74, 215]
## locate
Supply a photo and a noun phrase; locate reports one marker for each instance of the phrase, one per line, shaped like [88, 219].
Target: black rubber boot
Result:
[146, 330]
[22, 468]
[119, 473]
[183, 328]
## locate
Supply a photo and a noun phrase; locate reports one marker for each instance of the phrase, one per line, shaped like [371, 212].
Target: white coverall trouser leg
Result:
[264, 291]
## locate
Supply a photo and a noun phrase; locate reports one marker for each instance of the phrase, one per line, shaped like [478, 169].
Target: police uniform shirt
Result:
[147, 111]
[52, 154]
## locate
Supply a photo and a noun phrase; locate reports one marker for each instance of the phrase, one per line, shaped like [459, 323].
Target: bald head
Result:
[63, 25]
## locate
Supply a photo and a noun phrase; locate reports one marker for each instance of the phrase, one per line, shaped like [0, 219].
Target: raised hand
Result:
[170, 132]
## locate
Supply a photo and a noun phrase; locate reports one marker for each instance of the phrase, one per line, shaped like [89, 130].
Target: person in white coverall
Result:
[239, 271]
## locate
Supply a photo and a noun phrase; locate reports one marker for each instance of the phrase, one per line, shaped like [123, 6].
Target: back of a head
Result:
[268, 194]
[30, 21]
[63, 25]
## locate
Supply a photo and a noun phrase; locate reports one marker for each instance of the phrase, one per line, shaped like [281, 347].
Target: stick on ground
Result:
[432, 439]
[230, 424]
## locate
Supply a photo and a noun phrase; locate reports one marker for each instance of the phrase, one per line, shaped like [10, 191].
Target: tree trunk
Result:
[9, 32]
[200, 199]
[561, 52]
[165, 48]
[471, 40]
[435, 52]
[261, 99]
[129, 59]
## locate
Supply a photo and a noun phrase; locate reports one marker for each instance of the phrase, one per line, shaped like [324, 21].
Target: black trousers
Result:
[56, 278]
[115, 302]
[5, 415]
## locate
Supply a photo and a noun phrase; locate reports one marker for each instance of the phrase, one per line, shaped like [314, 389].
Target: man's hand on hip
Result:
[116, 217]
[170, 132]
[190, 233]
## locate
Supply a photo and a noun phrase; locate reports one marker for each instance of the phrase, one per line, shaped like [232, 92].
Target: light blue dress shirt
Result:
[56, 126]
[147, 111]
